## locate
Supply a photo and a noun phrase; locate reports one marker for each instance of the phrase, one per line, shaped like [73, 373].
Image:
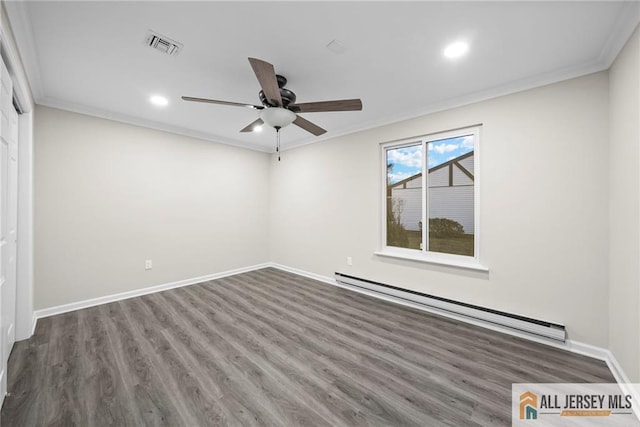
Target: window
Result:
[431, 197]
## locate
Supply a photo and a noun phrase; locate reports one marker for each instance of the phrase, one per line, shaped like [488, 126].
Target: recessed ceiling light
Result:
[159, 101]
[257, 128]
[456, 50]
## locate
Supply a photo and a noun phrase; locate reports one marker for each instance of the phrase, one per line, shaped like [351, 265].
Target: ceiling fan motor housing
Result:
[288, 97]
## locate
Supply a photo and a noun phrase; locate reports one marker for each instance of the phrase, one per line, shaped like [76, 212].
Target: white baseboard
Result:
[65, 308]
[34, 322]
[587, 350]
[614, 366]
[31, 329]
[622, 379]
[318, 277]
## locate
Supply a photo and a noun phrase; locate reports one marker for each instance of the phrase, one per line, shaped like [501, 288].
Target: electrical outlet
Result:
[349, 260]
[148, 264]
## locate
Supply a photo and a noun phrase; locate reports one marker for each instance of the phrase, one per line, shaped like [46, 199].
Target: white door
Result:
[8, 222]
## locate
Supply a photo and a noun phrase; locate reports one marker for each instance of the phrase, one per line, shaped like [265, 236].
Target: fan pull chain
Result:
[278, 142]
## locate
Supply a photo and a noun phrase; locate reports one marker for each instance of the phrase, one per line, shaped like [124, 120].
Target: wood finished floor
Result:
[272, 348]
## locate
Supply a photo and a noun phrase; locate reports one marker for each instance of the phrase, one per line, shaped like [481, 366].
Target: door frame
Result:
[25, 320]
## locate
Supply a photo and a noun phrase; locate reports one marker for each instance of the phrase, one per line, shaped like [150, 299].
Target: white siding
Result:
[415, 182]
[468, 164]
[439, 178]
[460, 178]
[455, 203]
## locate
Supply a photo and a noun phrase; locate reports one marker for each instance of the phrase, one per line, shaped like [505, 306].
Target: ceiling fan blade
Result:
[339, 105]
[251, 126]
[266, 75]
[214, 101]
[308, 126]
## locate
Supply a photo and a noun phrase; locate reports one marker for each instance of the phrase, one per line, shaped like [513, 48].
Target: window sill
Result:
[446, 260]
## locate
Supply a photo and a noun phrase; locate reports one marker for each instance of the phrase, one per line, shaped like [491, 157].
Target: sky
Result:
[407, 161]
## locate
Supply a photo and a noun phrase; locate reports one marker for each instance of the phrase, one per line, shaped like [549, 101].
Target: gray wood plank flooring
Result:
[272, 348]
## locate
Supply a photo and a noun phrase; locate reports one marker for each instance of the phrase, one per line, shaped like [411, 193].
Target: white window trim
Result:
[421, 255]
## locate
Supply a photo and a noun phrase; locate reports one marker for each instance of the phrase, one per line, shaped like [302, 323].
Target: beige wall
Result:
[624, 187]
[544, 213]
[109, 195]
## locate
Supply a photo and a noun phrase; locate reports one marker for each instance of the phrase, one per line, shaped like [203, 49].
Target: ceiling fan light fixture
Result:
[277, 117]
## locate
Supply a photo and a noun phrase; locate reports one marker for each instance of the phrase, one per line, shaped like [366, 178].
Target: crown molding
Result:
[20, 23]
[626, 24]
[135, 121]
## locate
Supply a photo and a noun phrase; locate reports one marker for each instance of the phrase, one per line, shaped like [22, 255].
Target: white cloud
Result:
[396, 177]
[443, 148]
[467, 142]
[411, 157]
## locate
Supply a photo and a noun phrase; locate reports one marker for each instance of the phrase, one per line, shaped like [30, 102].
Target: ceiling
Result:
[90, 57]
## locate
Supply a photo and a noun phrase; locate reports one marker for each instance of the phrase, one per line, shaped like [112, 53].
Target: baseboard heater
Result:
[460, 309]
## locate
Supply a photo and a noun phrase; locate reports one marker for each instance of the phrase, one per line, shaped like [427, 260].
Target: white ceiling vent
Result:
[162, 43]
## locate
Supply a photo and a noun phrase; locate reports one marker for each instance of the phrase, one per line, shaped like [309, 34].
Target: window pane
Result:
[404, 196]
[451, 195]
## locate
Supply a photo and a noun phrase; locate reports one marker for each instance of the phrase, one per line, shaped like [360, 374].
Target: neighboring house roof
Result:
[449, 163]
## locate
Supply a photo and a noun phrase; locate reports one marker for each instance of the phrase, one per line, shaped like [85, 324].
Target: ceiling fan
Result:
[279, 108]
